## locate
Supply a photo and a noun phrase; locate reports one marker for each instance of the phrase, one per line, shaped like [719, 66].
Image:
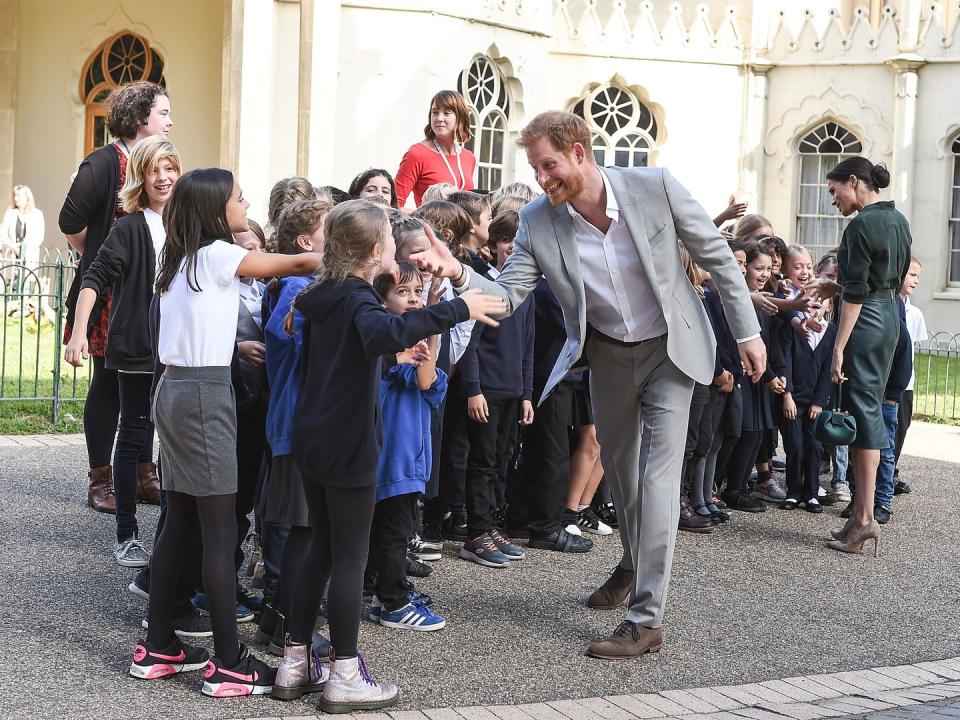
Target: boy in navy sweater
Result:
[808, 390]
[496, 373]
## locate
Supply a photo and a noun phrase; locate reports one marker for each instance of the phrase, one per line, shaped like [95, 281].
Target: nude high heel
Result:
[841, 534]
[856, 539]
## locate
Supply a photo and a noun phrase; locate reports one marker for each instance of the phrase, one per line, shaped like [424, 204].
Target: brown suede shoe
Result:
[629, 640]
[690, 521]
[614, 591]
[148, 484]
[100, 494]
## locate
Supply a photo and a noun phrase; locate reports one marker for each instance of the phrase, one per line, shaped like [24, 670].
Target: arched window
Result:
[819, 224]
[954, 224]
[624, 129]
[120, 59]
[485, 90]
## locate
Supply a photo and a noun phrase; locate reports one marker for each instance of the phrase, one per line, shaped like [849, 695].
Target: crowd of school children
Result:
[364, 414]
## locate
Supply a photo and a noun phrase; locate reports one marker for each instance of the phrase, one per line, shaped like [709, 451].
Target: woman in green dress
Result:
[873, 259]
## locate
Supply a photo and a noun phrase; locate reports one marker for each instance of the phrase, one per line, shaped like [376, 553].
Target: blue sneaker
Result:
[244, 614]
[415, 596]
[249, 599]
[412, 616]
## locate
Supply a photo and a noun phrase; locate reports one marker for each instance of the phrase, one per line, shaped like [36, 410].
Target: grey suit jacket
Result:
[659, 212]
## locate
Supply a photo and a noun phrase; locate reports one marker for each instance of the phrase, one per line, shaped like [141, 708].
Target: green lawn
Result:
[936, 390]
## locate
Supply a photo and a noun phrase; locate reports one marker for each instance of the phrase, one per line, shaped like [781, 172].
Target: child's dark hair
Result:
[404, 226]
[735, 245]
[472, 202]
[444, 217]
[257, 230]
[503, 229]
[301, 218]
[825, 262]
[385, 282]
[195, 216]
[356, 187]
[755, 249]
[775, 245]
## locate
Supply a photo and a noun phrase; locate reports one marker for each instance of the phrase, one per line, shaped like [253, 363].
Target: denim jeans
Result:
[884, 494]
[841, 457]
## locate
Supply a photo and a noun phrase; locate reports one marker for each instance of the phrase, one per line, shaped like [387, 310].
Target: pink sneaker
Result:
[249, 676]
[150, 664]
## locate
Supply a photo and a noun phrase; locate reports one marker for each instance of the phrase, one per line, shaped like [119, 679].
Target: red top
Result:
[422, 167]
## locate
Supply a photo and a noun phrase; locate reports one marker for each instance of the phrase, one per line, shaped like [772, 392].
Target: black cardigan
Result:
[336, 429]
[91, 203]
[126, 263]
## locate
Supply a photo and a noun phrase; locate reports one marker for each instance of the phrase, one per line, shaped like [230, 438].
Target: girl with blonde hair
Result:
[126, 263]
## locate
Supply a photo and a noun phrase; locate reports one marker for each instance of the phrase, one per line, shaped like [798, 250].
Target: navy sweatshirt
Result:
[808, 370]
[336, 430]
[498, 362]
[728, 353]
[549, 335]
[902, 368]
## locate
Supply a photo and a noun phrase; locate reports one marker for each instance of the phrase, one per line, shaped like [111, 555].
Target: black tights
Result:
[101, 412]
[742, 460]
[340, 518]
[291, 563]
[216, 516]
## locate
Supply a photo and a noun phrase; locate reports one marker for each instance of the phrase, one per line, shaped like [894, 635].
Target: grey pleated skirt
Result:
[195, 414]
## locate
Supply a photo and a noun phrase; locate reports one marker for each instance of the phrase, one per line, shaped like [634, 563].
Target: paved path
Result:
[757, 601]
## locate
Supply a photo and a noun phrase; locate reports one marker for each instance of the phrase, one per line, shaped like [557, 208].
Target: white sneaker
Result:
[587, 520]
[842, 491]
[131, 553]
[351, 688]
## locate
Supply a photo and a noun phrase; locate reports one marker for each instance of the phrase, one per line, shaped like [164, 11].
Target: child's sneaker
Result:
[769, 491]
[300, 672]
[421, 552]
[483, 551]
[412, 616]
[842, 491]
[150, 663]
[587, 520]
[244, 614]
[607, 513]
[249, 676]
[506, 546]
[351, 688]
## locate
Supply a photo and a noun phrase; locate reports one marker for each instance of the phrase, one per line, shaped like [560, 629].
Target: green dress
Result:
[873, 260]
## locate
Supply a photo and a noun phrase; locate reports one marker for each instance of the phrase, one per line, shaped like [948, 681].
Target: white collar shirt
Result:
[621, 302]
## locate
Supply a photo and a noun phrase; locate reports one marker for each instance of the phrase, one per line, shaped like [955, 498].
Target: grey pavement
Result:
[759, 599]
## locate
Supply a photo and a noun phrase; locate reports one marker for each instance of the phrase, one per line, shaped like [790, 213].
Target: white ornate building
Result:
[758, 95]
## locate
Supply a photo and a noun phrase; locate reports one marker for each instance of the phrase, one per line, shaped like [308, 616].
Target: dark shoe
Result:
[562, 541]
[881, 514]
[483, 551]
[721, 505]
[589, 521]
[150, 663]
[269, 618]
[191, 625]
[778, 464]
[500, 517]
[614, 591]
[691, 521]
[628, 641]
[790, 504]
[813, 506]
[847, 511]
[431, 537]
[419, 550]
[457, 529]
[745, 503]
[415, 568]
[140, 586]
[514, 552]
[901, 488]
[607, 513]
[828, 499]
[249, 676]
[100, 493]
[148, 484]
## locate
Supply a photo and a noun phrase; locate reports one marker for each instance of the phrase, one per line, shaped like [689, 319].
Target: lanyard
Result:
[462, 182]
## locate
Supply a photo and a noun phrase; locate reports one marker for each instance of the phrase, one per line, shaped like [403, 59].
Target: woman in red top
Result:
[440, 157]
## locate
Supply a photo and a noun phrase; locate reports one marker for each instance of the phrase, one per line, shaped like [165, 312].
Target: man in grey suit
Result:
[607, 242]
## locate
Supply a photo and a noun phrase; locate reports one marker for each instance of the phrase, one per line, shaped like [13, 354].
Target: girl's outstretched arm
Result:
[265, 265]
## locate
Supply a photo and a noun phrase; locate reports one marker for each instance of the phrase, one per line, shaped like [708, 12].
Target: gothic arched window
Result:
[819, 225]
[118, 60]
[953, 261]
[485, 90]
[624, 129]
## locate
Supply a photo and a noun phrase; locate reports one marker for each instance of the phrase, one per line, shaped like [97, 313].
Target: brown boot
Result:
[629, 640]
[148, 484]
[100, 495]
[614, 591]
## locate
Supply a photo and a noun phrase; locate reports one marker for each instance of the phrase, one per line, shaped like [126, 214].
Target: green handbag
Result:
[835, 427]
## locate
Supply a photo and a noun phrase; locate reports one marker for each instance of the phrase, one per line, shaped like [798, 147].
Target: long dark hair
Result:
[360, 181]
[875, 176]
[194, 217]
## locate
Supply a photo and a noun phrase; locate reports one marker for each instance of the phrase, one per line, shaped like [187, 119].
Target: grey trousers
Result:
[641, 404]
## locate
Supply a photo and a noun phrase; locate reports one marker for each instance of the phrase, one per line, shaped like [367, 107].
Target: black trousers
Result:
[803, 455]
[392, 528]
[134, 441]
[742, 460]
[251, 443]
[538, 486]
[454, 448]
[488, 446]
[904, 416]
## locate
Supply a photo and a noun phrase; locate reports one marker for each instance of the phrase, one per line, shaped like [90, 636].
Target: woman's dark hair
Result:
[356, 187]
[194, 217]
[129, 106]
[754, 250]
[385, 282]
[875, 176]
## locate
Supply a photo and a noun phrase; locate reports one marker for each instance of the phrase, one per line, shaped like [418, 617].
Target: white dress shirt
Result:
[621, 302]
[917, 327]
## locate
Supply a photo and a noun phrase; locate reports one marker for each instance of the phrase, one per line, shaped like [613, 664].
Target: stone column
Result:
[903, 161]
[319, 54]
[753, 165]
[8, 94]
